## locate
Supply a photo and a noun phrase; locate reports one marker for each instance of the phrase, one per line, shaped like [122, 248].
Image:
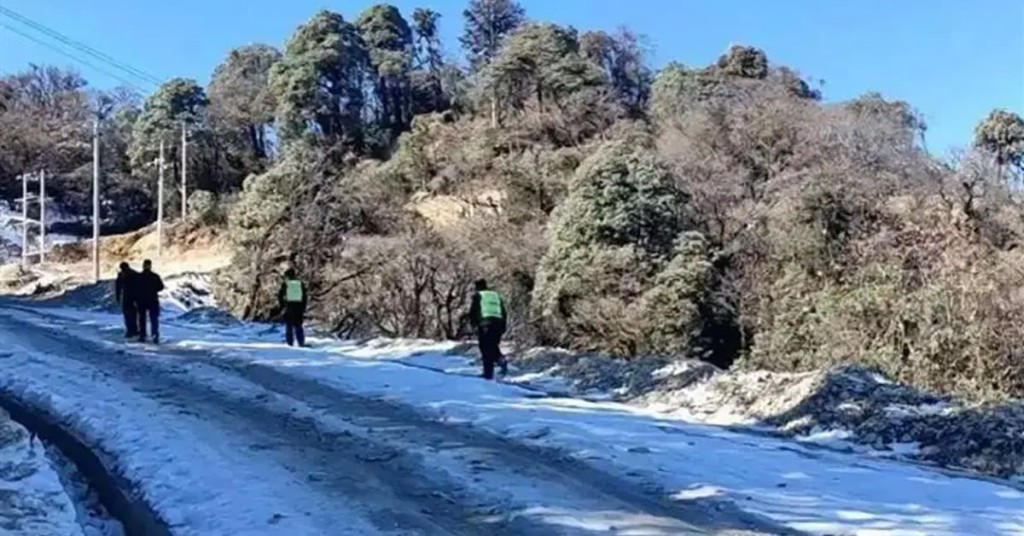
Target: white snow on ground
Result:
[560, 507]
[32, 500]
[806, 488]
[92, 515]
[204, 494]
[187, 292]
[10, 230]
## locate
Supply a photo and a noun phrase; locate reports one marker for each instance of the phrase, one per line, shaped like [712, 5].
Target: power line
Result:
[71, 56]
[81, 47]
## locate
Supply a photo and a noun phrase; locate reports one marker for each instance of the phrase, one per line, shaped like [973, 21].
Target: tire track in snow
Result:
[339, 467]
[393, 424]
[116, 493]
[376, 426]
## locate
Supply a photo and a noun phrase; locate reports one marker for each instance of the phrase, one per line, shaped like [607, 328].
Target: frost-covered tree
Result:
[1001, 134]
[319, 84]
[743, 61]
[541, 65]
[240, 99]
[389, 42]
[621, 58]
[617, 230]
[487, 22]
[178, 103]
[429, 93]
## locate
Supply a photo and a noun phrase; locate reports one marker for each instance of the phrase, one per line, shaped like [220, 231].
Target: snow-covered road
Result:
[398, 438]
[227, 446]
[32, 500]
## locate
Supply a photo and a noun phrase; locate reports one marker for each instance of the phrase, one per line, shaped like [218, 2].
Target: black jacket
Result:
[147, 288]
[474, 312]
[124, 287]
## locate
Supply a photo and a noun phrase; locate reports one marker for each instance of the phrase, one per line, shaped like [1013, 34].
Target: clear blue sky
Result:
[954, 60]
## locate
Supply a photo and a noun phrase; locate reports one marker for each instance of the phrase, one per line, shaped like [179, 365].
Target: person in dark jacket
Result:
[124, 293]
[293, 299]
[487, 314]
[147, 293]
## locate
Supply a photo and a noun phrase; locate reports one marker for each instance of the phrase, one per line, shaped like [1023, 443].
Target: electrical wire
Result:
[79, 46]
[63, 52]
[82, 47]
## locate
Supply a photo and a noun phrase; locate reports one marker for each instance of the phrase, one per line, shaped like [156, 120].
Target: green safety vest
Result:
[293, 291]
[490, 304]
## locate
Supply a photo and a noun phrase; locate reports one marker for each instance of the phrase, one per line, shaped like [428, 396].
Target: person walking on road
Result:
[487, 314]
[124, 294]
[148, 288]
[293, 299]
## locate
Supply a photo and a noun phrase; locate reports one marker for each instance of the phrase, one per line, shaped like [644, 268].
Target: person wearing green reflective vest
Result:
[293, 300]
[487, 314]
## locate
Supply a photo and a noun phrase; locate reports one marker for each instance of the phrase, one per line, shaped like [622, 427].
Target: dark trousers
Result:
[489, 336]
[294, 317]
[152, 311]
[131, 320]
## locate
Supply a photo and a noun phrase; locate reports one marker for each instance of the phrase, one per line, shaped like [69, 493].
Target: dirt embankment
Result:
[186, 249]
[182, 244]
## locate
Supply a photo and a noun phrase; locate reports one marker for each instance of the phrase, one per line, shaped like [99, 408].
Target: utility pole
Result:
[42, 217]
[184, 172]
[96, 201]
[160, 206]
[24, 221]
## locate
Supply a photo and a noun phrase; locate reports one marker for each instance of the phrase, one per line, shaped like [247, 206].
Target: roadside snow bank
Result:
[845, 407]
[188, 292]
[14, 278]
[593, 375]
[867, 409]
[32, 500]
[183, 293]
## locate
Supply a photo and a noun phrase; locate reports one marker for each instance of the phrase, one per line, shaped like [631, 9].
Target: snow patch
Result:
[187, 292]
[11, 233]
[697, 492]
[32, 500]
[91, 513]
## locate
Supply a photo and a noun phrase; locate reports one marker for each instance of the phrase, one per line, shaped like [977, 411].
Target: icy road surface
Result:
[225, 447]
[410, 415]
[32, 500]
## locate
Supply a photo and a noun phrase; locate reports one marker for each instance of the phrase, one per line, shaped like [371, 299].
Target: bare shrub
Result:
[204, 208]
[415, 284]
[299, 214]
[919, 299]
[505, 253]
